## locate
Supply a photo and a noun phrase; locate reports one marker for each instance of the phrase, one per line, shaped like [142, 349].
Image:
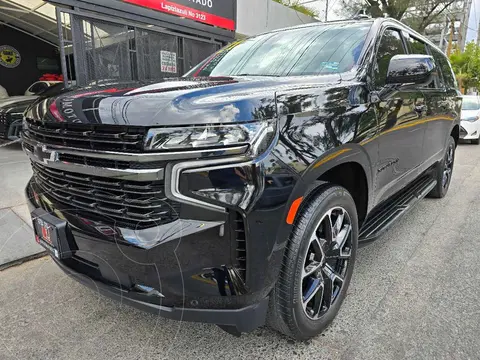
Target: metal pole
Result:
[61, 45]
[450, 40]
[326, 11]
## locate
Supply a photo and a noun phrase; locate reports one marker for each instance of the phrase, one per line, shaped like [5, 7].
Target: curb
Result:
[23, 260]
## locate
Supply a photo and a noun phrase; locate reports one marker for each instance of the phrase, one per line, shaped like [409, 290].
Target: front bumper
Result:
[244, 319]
[470, 130]
[196, 265]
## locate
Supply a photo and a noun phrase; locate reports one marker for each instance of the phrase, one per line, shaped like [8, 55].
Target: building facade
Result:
[456, 17]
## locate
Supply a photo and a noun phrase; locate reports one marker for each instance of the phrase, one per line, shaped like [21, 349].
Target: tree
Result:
[416, 13]
[466, 66]
[295, 5]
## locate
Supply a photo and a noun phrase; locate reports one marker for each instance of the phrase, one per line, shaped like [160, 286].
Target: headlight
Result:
[210, 136]
[471, 118]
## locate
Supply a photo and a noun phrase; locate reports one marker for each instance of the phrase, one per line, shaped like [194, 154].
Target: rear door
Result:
[441, 96]
[400, 120]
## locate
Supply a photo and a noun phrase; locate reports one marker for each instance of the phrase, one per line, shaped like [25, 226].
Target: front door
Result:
[401, 124]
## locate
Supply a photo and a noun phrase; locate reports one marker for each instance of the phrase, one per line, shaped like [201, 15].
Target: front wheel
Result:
[317, 265]
[444, 171]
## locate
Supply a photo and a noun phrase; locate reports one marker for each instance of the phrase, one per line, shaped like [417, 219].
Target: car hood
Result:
[469, 114]
[16, 99]
[182, 101]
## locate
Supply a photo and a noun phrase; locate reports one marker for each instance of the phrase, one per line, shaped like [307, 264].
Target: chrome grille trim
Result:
[138, 157]
[88, 136]
[82, 170]
[140, 205]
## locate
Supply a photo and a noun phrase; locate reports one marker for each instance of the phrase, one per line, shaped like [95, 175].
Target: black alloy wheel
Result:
[317, 264]
[326, 263]
[444, 171]
[448, 166]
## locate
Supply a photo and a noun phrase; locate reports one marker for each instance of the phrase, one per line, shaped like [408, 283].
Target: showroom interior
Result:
[83, 41]
[88, 42]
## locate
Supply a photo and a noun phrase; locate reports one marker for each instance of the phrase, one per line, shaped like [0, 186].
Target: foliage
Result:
[295, 4]
[466, 66]
[426, 11]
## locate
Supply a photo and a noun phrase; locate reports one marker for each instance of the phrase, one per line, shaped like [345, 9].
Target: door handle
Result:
[421, 108]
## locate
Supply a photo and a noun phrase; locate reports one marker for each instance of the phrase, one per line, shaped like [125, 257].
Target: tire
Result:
[4, 135]
[444, 168]
[288, 313]
[476, 141]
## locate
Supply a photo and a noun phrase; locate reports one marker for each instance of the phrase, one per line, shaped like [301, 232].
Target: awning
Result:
[35, 17]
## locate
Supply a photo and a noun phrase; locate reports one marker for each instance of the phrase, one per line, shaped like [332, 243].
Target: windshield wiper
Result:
[256, 75]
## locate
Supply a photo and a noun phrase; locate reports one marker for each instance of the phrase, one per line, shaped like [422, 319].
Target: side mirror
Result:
[410, 69]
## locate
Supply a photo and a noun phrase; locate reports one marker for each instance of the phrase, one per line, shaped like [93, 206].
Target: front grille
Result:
[98, 162]
[463, 132]
[111, 164]
[28, 147]
[99, 137]
[132, 204]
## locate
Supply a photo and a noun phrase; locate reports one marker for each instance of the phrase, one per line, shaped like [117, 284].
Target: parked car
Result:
[13, 108]
[470, 125]
[239, 194]
[39, 87]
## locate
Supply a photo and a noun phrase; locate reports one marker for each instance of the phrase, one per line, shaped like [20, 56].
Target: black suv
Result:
[239, 194]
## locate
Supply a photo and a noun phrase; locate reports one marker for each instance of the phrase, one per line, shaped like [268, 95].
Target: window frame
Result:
[425, 44]
[381, 33]
[388, 25]
[451, 72]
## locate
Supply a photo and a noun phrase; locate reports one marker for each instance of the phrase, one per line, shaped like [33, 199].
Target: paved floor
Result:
[15, 224]
[415, 294]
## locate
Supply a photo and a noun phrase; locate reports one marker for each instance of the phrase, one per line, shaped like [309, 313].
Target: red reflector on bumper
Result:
[293, 210]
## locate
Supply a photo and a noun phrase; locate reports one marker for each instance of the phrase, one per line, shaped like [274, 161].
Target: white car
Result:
[39, 86]
[470, 125]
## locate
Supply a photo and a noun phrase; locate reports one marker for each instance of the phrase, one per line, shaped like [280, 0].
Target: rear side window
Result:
[445, 67]
[391, 44]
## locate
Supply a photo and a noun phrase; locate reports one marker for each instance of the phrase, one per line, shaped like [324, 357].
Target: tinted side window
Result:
[416, 46]
[446, 69]
[38, 87]
[390, 45]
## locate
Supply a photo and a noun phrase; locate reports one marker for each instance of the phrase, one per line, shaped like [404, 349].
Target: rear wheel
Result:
[444, 171]
[317, 265]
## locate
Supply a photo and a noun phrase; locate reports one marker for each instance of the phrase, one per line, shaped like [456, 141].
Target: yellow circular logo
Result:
[9, 56]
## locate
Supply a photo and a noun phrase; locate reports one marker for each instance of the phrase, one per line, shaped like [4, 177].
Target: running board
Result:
[386, 215]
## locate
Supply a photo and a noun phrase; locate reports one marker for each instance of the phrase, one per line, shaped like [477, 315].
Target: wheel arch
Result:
[317, 175]
[348, 166]
[455, 133]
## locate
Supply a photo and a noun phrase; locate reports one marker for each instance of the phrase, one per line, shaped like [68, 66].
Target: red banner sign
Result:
[173, 8]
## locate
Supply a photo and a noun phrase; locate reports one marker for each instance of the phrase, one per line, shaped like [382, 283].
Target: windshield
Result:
[314, 50]
[471, 103]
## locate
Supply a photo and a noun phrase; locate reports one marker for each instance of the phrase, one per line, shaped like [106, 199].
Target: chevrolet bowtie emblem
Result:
[43, 154]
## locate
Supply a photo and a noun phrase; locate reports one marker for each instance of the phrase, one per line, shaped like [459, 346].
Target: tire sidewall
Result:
[336, 197]
[451, 142]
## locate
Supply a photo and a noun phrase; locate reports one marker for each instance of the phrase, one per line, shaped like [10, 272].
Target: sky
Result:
[335, 7]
